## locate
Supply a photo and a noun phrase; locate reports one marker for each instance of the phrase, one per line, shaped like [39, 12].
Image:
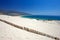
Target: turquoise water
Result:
[42, 17]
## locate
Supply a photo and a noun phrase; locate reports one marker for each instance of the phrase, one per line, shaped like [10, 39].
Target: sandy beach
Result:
[9, 32]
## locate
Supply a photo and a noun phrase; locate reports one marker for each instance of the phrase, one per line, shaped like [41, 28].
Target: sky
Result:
[35, 7]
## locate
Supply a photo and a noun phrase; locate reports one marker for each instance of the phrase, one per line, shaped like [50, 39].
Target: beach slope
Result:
[9, 32]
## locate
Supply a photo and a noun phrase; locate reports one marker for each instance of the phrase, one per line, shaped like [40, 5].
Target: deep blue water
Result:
[42, 17]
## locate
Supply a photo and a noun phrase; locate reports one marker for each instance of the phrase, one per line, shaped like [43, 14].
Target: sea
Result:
[42, 17]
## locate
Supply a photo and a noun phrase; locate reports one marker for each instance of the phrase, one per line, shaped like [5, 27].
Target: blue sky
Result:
[35, 7]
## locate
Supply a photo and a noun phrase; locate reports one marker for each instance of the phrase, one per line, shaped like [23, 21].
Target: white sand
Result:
[8, 32]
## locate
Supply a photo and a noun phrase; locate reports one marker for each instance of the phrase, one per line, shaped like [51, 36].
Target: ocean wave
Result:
[41, 17]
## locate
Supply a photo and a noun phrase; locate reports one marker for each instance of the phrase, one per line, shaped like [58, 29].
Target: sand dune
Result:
[48, 27]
